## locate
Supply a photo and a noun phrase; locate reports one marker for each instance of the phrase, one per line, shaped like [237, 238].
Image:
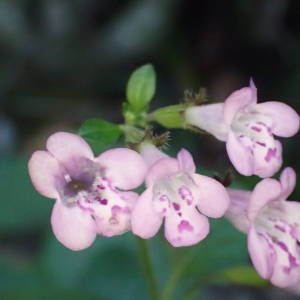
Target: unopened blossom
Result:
[273, 227]
[179, 196]
[248, 127]
[91, 193]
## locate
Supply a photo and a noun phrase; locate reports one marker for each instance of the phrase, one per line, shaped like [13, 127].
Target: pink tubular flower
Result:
[85, 187]
[178, 195]
[273, 227]
[248, 128]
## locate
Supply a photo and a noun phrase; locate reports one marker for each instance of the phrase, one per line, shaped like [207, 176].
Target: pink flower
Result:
[248, 128]
[178, 195]
[273, 227]
[86, 188]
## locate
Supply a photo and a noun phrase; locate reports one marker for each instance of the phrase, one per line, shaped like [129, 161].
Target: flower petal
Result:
[288, 181]
[208, 117]
[292, 213]
[236, 212]
[185, 161]
[236, 101]
[114, 222]
[214, 200]
[74, 228]
[129, 197]
[262, 253]
[163, 167]
[126, 168]
[239, 155]
[188, 231]
[286, 268]
[264, 192]
[67, 148]
[151, 154]
[145, 221]
[267, 160]
[46, 174]
[285, 119]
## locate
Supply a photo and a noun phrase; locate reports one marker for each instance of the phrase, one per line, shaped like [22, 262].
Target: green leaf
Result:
[141, 87]
[99, 134]
[244, 275]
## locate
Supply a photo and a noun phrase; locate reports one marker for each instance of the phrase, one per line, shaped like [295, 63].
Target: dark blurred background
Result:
[62, 62]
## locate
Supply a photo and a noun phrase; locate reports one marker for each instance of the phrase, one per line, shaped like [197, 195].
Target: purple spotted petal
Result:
[116, 221]
[239, 155]
[214, 200]
[237, 211]
[188, 230]
[185, 161]
[209, 118]
[286, 268]
[262, 253]
[124, 167]
[267, 160]
[46, 174]
[68, 148]
[264, 192]
[145, 221]
[236, 101]
[285, 119]
[288, 181]
[73, 227]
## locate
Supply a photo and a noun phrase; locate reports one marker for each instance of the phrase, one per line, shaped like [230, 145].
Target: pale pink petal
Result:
[46, 174]
[214, 200]
[124, 167]
[236, 101]
[73, 227]
[208, 117]
[145, 221]
[281, 279]
[163, 167]
[239, 155]
[292, 213]
[116, 222]
[151, 154]
[262, 253]
[68, 148]
[264, 192]
[185, 161]
[267, 160]
[237, 211]
[286, 267]
[285, 119]
[129, 197]
[189, 230]
[288, 181]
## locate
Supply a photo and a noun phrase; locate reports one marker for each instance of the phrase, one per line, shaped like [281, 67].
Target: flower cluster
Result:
[93, 193]
[97, 195]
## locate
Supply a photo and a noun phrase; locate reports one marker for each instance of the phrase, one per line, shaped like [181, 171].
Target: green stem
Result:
[148, 269]
[176, 275]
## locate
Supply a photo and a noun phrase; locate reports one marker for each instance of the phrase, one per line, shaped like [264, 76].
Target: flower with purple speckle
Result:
[273, 227]
[176, 194]
[92, 193]
[248, 128]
